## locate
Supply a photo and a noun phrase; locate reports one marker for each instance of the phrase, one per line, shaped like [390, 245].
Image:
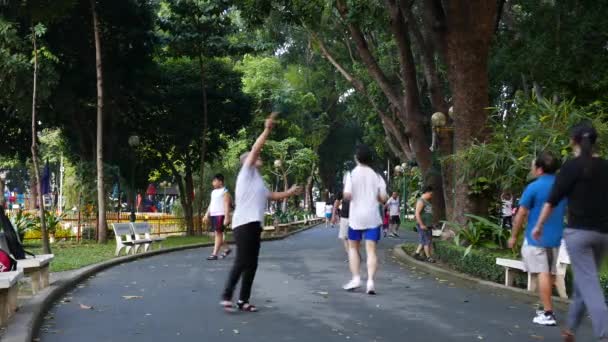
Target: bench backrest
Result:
[141, 230]
[121, 228]
[140, 227]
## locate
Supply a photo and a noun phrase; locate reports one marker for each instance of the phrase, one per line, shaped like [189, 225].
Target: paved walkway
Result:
[298, 292]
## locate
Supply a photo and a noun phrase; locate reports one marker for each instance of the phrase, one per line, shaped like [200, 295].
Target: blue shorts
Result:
[371, 234]
[328, 215]
[425, 237]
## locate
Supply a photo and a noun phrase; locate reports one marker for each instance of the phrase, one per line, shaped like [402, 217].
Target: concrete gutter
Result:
[402, 256]
[24, 325]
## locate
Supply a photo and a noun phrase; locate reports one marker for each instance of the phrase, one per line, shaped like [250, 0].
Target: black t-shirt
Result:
[345, 208]
[586, 191]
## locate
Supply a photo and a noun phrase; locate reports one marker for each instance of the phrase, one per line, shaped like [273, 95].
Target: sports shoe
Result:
[395, 235]
[431, 260]
[352, 285]
[371, 289]
[544, 319]
[212, 257]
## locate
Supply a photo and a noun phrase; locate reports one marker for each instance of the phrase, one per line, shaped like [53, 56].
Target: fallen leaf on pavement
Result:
[537, 337]
[235, 331]
[86, 307]
[132, 297]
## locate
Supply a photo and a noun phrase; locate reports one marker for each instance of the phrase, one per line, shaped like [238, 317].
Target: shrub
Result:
[480, 263]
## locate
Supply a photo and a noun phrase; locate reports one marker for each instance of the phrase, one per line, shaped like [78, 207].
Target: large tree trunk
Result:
[201, 187]
[471, 26]
[101, 192]
[188, 201]
[46, 247]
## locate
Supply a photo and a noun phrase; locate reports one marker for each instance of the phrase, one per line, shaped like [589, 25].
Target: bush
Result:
[480, 263]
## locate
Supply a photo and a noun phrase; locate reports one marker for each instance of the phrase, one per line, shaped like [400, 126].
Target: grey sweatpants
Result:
[587, 249]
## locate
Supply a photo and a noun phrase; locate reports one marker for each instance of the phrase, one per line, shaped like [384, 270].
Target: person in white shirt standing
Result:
[218, 213]
[393, 210]
[365, 190]
[251, 195]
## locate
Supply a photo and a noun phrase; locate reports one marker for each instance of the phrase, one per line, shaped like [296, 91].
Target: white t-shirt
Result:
[365, 185]
[507, 208]
[329, 209]
[393, 206]
[216, 206]
[250, 197]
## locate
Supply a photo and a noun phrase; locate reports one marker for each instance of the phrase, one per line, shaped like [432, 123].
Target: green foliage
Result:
[479, 232]
[23, 222]
[519, 135]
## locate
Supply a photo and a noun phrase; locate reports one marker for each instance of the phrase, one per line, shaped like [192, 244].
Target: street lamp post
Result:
[133, 142]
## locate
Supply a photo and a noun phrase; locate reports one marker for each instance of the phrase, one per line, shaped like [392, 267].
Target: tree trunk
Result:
[470, 30]
[188, 203]
[285, 188]
[46, 247]
[309, 199]
[2, 200]
[101, 192]
[201, 187]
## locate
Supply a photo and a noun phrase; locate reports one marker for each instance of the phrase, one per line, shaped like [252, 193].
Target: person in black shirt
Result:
[584, 182]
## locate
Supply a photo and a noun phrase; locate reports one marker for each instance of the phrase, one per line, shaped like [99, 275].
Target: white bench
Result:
[142, 232]
[9, 290]
[512, 266]
[37, 269]
[124, 239]
[439, 232]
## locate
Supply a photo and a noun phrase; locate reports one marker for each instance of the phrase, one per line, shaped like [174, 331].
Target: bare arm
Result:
[544, 215]
[277, 196]
[419, 207]
[520, 218]
[227, 206]
[256, 149]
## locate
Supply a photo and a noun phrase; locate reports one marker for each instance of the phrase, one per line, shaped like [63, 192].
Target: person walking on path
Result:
[424, 225]
[344, 206]
[393, 205]
[507, 210]
[540, 256]
[584, 182]
[218, 213]
[251, 196]
[366, 190]
[329, 211]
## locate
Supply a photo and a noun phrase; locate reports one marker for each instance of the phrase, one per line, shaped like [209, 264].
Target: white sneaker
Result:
[542, 319]
[352, 285]
[371, 290]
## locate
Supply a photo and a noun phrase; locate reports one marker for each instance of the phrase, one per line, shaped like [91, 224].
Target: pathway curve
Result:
[298, 291]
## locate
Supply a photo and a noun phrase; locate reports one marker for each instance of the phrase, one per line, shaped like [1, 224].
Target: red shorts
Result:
[217, 224]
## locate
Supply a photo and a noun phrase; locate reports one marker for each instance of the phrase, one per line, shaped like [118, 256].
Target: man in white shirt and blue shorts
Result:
[218, 214]
[366, 191]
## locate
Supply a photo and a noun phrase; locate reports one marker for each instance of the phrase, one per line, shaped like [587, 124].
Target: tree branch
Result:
[368, 59]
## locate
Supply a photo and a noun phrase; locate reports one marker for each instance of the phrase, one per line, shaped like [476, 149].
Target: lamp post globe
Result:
[438, 119]
[278, 163]
[134, 141]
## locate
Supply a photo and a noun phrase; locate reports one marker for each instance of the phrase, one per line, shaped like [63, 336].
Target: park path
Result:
[298, 291]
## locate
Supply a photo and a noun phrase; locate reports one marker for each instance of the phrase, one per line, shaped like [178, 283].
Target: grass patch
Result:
[73, 255]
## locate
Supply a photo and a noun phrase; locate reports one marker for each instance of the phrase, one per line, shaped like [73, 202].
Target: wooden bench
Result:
[142, 232]
[9, 290]
[37, 269]
[124, 239]
[517, 266]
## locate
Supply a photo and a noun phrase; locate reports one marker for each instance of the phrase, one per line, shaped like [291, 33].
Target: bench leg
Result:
[119, 249]
[560, 285]
[128, 250]
[4, 310]
[509, 277]
[13, 295]
[532, 282]
[35, 276]
[44, 277]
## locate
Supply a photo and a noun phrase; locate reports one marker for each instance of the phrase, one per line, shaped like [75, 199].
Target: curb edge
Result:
[24, 325]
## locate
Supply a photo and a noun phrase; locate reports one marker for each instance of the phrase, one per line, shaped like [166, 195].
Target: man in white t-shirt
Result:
[366, 191]
[393, 210]
[251, 196]
[218, 214]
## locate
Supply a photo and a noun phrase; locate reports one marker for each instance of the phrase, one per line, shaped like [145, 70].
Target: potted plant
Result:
[53, 222]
